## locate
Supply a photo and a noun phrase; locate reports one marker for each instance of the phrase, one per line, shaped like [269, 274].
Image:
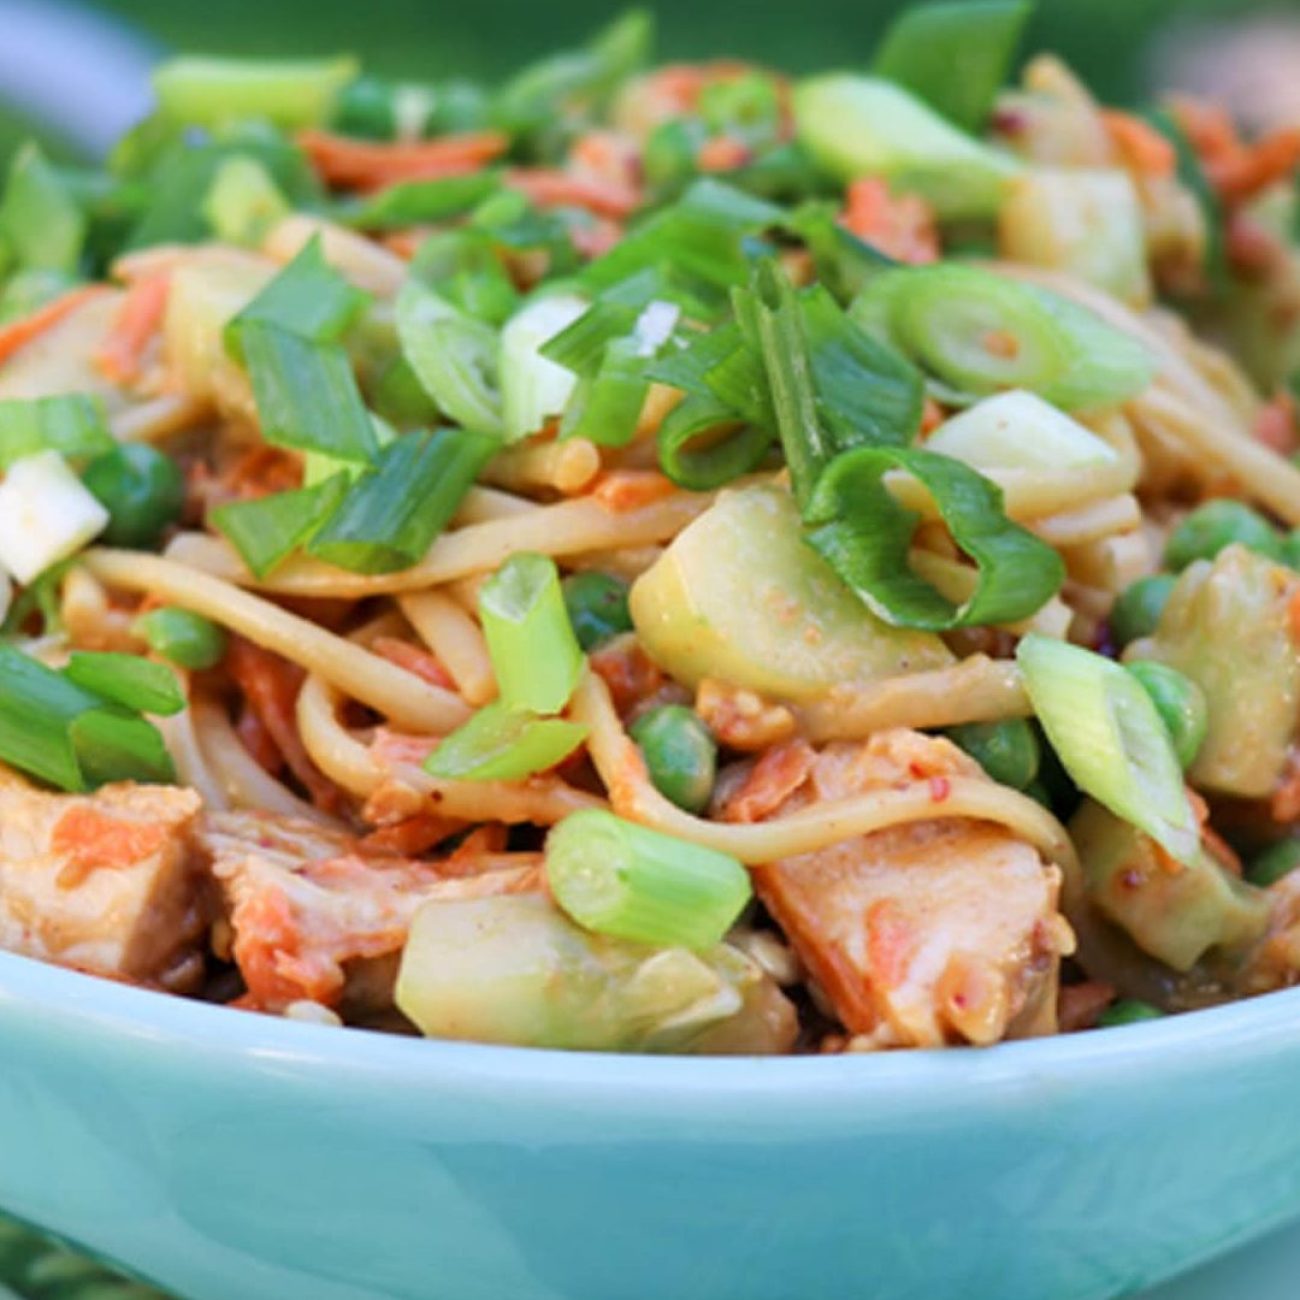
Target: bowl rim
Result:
[59, 998]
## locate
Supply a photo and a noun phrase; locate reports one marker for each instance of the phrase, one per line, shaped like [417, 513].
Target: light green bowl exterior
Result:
[235, 1157]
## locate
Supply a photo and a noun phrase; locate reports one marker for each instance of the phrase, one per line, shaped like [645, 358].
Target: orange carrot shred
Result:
[18, 333]
[630, 489]
[550, 188]
[903, 226]
[1142, 148]
[366, 164]
[419, 663]
[139, 318]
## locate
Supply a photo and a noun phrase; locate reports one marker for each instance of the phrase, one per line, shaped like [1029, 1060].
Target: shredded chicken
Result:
[107, 883]
[939, 932]
[312, 911]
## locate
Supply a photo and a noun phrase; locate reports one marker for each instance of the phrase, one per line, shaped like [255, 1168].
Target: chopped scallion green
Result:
[128, 680]
[196, 91]
[614, 877]
[502, 744]
[534, 652]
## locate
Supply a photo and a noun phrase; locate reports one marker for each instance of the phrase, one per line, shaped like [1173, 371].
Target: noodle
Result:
[246, 784]
[977, 689]
[1090, 523]
[569, 528]
[397, 694]
[567, 467]
[344, 759]
[620, 766]
[456, 640]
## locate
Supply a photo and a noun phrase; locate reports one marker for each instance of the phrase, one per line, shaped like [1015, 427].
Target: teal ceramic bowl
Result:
[233, 1157]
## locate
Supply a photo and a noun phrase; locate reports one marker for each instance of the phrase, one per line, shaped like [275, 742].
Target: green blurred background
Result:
[1110, 41]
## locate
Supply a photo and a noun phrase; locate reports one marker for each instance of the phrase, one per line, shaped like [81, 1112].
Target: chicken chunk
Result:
[938, 932]
[108, 883]
[316, 917]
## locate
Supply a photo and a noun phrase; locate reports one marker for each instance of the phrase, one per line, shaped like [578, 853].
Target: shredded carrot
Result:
[630, 489]
[722, 153]
[420, 663]
[271, 685]
[551, 188]
[1293, 617]
[406, 243]
[1141, 147]
[366, 164]
[931, 416]
[628, 672]
[1266, 161]
[901, 226]
[140, 317]
[19, 333]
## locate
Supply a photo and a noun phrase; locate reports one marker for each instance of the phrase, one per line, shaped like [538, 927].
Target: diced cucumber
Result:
[865, 126]
[740, 596]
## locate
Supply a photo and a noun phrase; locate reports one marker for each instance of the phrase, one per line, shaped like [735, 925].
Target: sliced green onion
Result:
[541, 95]
[821, 368]
[464, 267]
[501, 744]
[1180, 703]
[955, 55]
[534, 388]
[680, 754]
[534, 651]
[72, 424]
[844, 263]
[707, 238]
[978, 333]
[1128, 1011]
[866, 126]
[244, 202]
[412, 203]
[39, 219]
[389, 519]
[614, 877]
[59, 732]
[606, 409]
[306, 393]
[46, 515]
[865, 535]
[1136, 613]
[1274, 863]
[268, 530]
[702, 446]
[455, 357]
[597, 607]
[309, 299]
[143, 491]
[133, 682]
[180, 179]
[1111, 739]
[186, 639]
[1007, 751]
[290, 92]
[1216, 525]
[380, 110]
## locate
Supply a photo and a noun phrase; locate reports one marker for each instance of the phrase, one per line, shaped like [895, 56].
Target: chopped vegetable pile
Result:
[660, 558]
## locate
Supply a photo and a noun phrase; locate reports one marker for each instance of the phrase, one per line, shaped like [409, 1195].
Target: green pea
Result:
[1211, 527]
[1128, 1011]
[680, 755]
[1008, 751]
[1138, 609]
[597, 605]
[142, 490]
[186, 639]
[1271, 864]
[1180, 703]
[366, 108]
